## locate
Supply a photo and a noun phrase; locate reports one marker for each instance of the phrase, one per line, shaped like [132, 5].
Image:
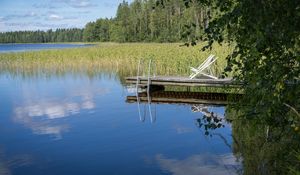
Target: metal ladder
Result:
[152, 118]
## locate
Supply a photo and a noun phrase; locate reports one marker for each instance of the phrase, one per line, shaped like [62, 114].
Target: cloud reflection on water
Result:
[200, 164]
[50, 110]
[44, 115]
[15, 161]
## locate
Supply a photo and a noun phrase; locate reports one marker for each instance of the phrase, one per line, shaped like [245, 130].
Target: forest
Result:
[150, 21]
[59, 35]
[139, 21]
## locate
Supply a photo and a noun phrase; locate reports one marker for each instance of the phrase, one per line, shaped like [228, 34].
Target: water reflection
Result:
[201, 164]
[44, 115]
[210, 120]
[51, 110]
[200, 103]
[179, 97]
[182, 129]
[101, 132]
[265, 149]
[14, 162]
[204, 106]
[40, 116]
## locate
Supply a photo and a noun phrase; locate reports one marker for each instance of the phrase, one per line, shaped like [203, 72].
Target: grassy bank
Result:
[169, 59]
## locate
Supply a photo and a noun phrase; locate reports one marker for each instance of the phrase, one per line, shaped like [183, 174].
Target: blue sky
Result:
[52, 14]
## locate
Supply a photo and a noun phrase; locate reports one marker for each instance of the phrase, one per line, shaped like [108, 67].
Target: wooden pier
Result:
[181, 81]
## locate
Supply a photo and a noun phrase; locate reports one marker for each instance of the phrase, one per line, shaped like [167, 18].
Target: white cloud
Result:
[2, 26]
[55, 17]
[77, 3]
[83, 4]
[30, 14]
[18, 26]
[44, 6]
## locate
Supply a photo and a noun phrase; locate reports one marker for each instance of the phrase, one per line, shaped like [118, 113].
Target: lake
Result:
[4, 48]
[76, 124]
[72, 113]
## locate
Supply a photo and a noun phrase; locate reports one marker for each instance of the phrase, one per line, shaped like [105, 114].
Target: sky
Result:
[22, 15]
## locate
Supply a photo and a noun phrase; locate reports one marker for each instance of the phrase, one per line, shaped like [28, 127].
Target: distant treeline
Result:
[59, 35]
[139, 21]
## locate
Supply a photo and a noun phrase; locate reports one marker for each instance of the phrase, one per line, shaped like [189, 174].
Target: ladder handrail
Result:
[137, 91]
[148, 91]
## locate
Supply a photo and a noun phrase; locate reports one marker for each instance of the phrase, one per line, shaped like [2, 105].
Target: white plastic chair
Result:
[203, 67]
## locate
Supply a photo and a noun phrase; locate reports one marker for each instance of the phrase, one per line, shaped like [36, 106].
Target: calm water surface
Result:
[4, 48]
[74, 124]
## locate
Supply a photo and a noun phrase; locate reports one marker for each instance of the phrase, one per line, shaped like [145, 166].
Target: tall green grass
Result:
[168, 59]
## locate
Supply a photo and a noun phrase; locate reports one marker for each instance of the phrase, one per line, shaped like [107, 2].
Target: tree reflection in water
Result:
[209, 121]
[263, 147]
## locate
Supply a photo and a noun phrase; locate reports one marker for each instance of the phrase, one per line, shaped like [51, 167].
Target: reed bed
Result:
[168, 59]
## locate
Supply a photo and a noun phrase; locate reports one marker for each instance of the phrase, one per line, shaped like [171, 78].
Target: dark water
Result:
[79, 125]
[4, 48]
